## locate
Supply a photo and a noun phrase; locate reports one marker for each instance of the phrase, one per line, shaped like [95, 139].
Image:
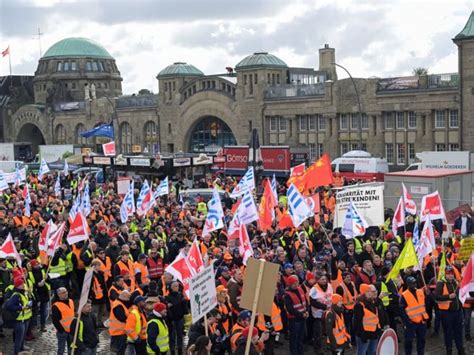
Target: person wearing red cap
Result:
[37, 278]
[256, 345]
[157, 334]
[450, 309]
[338, 337]
[297, 309]
[20, 306]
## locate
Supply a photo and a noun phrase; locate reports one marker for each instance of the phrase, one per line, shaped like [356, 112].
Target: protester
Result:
[87, 338]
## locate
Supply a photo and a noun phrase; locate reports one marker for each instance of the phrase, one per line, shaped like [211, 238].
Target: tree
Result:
[420, 71]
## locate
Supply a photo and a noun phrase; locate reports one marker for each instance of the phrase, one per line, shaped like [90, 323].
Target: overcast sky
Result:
[372, 38]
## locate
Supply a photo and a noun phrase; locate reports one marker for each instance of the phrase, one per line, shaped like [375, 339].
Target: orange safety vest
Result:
[337, 281]
[225, 309]
[309, 245]
[348, 299]
[339, 330]
[106, 268]
[77, 252]
[236, 334]
[113, 288]
[129, 267]
[67, 313]
[444, 305]
[98, 292]
[415, 306]
[131, 324]
[371, 321]
[298, 304]
[140, 268]
[276, 320]
[117, 327]
[164, 289]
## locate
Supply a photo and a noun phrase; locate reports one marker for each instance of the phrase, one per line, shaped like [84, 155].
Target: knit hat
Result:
[139, 299]
[336, 298]
[292, 280]
[310, 276]
[245, 315]
[158, 308]
[457, 232]
[246, 330]
[34, 263]
[18, 281]
[364, 288]
[389, 236]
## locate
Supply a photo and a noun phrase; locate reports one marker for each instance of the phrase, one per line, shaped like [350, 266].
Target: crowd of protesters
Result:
[332, 293]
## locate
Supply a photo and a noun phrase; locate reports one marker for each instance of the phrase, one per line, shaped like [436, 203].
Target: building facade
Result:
[77, 86]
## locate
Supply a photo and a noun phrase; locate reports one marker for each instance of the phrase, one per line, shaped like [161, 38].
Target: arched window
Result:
[210, 134]
[126, 137]
[151, 135]
[60, 134]
[79, 139]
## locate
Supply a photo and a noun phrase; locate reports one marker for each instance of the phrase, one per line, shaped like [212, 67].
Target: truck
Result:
[360, 165]
[462, 160]
[15, 151]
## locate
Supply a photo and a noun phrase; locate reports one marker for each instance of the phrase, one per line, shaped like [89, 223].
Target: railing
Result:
[422, 82]
[284, 91]
[136, 101]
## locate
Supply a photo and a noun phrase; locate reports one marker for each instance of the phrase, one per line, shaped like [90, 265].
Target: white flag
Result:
[127, 207]
[354, 224]
[410, 205]
[162, 189]
[43, 169]
[298, 208]
[215, 214]
[426, 243]
[398, 217]
[247, 210]
[246, 183]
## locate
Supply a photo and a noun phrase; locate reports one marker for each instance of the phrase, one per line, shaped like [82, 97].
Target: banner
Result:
[202, 293]
[368, 201]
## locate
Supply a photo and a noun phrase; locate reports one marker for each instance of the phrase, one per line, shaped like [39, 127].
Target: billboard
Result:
[275, 159]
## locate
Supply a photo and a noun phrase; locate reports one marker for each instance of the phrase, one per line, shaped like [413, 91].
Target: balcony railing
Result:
[287, 91]
[422, 82]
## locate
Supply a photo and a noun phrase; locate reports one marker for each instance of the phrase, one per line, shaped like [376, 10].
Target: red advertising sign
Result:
[274, 158]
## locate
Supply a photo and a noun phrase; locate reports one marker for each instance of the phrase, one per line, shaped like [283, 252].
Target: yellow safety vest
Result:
[27, 313]
[386, 299]
[163, 340]
[60, 268]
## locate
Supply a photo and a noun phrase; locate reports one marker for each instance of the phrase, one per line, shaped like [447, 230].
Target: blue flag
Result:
[105, 130]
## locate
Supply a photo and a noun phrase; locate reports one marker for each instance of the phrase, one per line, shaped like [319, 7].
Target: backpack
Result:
[9, 317]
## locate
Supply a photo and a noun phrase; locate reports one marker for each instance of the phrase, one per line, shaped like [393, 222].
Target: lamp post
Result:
[358, 101]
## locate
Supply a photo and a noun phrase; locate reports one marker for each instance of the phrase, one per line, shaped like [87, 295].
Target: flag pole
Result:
[10, 64]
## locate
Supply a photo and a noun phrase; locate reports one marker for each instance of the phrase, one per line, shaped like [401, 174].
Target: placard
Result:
[140, 161]
[267, 287]
[182, 162]
[202, 293]
[466, 249]
[368, 201]
[123, 182]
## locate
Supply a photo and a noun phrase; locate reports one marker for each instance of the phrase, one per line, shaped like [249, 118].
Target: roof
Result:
[261, 59]
[429, 173]
[468, 30]
[180, 69]
[77, 47]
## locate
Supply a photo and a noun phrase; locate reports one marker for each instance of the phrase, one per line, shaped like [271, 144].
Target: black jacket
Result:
[152, 332]
[90, 334]
[179, 305]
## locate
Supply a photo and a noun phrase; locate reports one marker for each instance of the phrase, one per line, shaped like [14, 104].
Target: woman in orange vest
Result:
[337, 336]
[412, 304]
[367, 320]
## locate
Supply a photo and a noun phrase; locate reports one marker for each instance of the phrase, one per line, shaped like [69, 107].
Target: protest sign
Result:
[467, 248]
[368, 201]
[202, 293]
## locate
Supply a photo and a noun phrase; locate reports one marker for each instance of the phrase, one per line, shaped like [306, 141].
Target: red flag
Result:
[78, 230]
[179, 268]
[48, 229]
[295, 172]
[195, 258]
[318, 174]
[398, 217]
[467, 282]
[55, 239]
[314, 203]
[109, 149]
[234, 225]
[285, 221]
[6, 52]
[432, 205]
[8, 249]
[266, 212]
[245, 248]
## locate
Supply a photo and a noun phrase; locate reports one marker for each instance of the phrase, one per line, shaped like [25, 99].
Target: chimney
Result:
[327, 56]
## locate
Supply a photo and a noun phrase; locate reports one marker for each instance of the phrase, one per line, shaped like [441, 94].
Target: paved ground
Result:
[45, 344]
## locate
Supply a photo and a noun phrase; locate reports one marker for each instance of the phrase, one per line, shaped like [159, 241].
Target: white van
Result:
[360, 165]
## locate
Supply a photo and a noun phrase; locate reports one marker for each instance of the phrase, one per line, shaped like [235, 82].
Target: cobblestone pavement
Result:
[45, 344]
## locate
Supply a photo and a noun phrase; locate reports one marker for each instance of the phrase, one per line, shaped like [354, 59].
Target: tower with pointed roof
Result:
[465, 42]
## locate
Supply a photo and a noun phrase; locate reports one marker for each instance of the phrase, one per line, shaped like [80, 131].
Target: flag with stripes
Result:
[274, 187]
[128, 204]
[162, 189]
[298, 208]
[215, 214]
[43, 169]
[86, 201]
[246, 183]
[354, 224]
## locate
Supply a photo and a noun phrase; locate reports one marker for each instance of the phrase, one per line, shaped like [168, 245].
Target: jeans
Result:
[62, 343]
[369, 347]
[296, 329]
[317, 333]
[19, 333]
[348, 324]
[415, 330]
[118, 343]
[176, 334]
[467, 320]
[89, 351]
[452, 328]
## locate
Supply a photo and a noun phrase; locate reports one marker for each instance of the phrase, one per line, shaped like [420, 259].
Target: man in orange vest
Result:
[412, 304]
[272, 325]
[125, 264]
[142, 278]
[297, 309]
[135, 326]
[98, 293]
[348, 292]
[450, 310]
[338, 337]
[118, 318]
[62, 314]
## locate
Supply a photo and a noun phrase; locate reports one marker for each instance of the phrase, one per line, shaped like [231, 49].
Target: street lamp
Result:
[358, 101]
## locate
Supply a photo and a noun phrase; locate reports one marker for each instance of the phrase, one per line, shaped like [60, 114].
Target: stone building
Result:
[77, 86]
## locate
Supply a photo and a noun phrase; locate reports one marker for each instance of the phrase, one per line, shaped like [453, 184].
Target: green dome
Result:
[77, 47]
[261, 59]
[180, 69]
